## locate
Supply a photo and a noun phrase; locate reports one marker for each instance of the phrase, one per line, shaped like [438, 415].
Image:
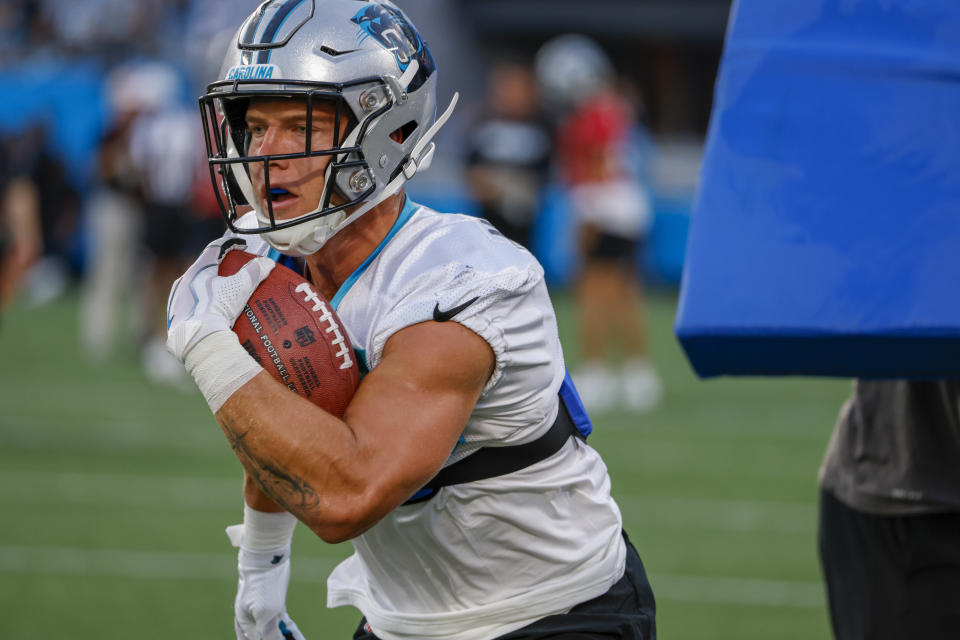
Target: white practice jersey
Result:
[484, 558]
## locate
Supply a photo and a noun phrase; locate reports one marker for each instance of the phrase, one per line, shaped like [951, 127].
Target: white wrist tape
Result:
[262, 531]
[220, 366]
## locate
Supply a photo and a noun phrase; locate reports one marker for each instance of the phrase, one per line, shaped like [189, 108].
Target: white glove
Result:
[201, 302]
[200, 314]
[260, 611]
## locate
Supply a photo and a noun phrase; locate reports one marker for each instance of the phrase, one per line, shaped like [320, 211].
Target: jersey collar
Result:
[409, 208]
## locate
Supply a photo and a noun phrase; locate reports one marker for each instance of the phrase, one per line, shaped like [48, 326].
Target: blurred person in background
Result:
[114, 221]
[509, 151]
[108, 252]
[57, 203]
[21, 242]
[165, 147]
[890, 512]
[141, 216]
[613, 212]
[60, 205]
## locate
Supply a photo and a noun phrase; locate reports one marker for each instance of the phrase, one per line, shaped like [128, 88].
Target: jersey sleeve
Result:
[470, 276]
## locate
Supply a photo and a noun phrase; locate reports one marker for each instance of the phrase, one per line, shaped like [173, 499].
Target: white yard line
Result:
[719, 515]
[18, 559]
[28, 487]
[61, 561]
[742, 591]
[218, 493]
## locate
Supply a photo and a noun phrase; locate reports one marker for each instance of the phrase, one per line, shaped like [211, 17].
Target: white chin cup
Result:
[305, 238]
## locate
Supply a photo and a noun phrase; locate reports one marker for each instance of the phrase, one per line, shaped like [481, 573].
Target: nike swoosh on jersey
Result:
[443, 316]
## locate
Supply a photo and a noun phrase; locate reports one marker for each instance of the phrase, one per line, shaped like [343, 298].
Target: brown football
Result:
[293, 333]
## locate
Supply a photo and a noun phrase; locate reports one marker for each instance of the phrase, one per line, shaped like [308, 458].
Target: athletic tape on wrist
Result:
[220, 366]
[263, 531]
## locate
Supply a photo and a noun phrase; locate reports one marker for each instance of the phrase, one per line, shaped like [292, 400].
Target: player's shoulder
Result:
[438, 237]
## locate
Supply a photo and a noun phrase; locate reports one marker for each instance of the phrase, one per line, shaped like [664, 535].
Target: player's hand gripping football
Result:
[202, 302]
[260, 610]
[200, 314]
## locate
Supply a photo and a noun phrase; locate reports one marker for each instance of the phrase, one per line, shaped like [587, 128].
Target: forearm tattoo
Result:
[288, 490]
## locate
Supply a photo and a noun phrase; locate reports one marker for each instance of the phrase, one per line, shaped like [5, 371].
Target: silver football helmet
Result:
[364, 58]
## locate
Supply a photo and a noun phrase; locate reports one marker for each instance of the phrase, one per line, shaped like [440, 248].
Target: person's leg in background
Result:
[890, 577]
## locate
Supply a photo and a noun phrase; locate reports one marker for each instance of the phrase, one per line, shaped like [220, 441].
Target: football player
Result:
[460, 470]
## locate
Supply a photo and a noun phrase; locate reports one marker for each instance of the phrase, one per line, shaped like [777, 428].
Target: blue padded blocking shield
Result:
[826, 232]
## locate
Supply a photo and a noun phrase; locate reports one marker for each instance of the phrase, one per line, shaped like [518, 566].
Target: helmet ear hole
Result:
[231, 184]
[403, 132]
[234, 122]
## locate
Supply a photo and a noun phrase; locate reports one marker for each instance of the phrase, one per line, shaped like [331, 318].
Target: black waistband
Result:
[490, 462]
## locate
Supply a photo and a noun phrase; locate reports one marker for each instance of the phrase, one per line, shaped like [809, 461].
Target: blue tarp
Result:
[826, 232]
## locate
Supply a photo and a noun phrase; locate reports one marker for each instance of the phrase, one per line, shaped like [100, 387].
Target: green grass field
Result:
[114, 495]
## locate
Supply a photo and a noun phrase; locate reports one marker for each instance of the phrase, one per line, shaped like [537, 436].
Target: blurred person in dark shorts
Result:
[613, 212]
[509, 152]
[114, 224]
[890, 512]
[166, 146]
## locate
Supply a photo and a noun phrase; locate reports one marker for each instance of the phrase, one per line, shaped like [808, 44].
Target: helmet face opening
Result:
[245, 178]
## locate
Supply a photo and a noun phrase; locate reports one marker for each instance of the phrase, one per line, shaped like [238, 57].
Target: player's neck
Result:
[329, 267]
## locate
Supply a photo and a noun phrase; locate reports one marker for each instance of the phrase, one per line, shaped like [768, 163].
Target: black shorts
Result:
[627, 610]
[890, 577]
[608, 247]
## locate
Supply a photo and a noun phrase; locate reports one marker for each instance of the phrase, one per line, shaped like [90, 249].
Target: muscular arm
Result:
[341, 476]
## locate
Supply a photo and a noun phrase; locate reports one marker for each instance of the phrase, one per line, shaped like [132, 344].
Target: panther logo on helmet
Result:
[390, 28]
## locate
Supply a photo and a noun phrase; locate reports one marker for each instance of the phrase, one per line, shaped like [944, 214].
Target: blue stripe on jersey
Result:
[274, 26]
[421, 494]
[575, 406]
[288, 261]
[361, 355]
[409, 208]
